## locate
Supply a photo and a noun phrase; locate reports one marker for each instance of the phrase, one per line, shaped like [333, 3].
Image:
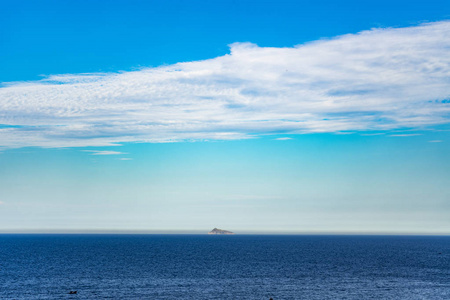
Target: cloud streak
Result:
[381, 79]
[283, 139]
[101, 152]
[405, 134]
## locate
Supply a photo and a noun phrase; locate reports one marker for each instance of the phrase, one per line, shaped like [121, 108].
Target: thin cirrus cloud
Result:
[405, 134]
[101, 152]
[283, 139]
[375, 80]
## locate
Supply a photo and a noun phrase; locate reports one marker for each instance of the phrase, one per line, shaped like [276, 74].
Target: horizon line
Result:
[205, 232]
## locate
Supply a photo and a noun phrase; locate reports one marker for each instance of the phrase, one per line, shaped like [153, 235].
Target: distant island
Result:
[220, 231]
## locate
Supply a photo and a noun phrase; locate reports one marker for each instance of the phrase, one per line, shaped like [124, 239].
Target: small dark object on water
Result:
[72, 292]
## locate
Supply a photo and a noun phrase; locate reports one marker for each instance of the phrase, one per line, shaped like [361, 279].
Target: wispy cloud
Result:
[101, 152]
[435, 141]
[379, 80]
[372, 134]
[405, 134]
[125, 158]
[283, 139]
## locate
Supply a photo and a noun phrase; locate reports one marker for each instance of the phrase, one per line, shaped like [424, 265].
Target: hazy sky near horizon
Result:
[299, 116]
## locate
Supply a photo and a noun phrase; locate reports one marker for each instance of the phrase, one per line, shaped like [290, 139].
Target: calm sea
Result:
[224, 267]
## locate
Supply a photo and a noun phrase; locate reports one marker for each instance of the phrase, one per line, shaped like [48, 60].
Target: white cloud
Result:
[372, 134]
[378, 80]
[101, 152]
[125, 158]
[283, 139]
[405, 134]
[435, 141]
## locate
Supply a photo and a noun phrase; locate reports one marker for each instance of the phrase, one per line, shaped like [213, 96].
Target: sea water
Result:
[224, 267]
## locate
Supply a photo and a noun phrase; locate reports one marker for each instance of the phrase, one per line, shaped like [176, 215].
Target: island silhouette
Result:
[220, 231]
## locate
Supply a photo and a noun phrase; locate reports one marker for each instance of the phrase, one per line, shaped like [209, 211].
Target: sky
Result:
[250, 116]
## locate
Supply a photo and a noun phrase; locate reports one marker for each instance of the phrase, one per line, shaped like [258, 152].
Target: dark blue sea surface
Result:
[224, 267]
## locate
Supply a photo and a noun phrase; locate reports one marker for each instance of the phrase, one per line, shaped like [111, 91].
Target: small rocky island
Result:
[220, 231]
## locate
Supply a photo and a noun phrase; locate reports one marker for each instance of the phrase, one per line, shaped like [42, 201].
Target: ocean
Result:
[309, 267]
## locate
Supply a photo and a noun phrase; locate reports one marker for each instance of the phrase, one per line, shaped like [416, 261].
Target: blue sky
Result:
[287, 116]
